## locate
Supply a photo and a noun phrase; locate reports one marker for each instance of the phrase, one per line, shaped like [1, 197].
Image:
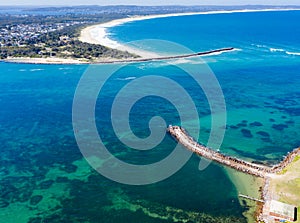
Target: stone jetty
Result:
[181, 135]
[169, 57]
[266, 172]
[286, 161]
[188, 142]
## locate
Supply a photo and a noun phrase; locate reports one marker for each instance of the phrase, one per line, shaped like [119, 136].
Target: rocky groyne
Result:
[169, 57]
[181, 135]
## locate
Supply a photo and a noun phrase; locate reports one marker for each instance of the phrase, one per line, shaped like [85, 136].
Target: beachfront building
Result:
[282, 211]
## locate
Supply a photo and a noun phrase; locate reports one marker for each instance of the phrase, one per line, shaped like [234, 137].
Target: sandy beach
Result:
[50, 60]
[281, 181]
[246, 185]
[97, 34]
[109, 60]
[57, 60]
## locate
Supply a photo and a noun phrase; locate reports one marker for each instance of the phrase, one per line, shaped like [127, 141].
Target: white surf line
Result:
[97, 34]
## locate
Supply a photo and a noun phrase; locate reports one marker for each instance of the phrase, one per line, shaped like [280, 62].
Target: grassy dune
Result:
[286, 185]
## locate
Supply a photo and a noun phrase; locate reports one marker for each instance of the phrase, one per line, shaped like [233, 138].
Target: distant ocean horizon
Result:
[45, 177]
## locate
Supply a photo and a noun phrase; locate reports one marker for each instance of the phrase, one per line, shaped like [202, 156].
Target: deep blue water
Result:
[260, 81]
[44, 176]
[203, 32]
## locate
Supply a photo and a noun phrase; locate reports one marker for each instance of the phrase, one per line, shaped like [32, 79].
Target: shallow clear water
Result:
[45, 178]
[44, 175]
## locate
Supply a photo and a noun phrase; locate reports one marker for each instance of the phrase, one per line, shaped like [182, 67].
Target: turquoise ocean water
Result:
[44, 177]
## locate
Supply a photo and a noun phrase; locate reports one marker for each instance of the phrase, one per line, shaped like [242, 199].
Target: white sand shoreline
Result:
[48, 60]
[97, 34]
[58, 60]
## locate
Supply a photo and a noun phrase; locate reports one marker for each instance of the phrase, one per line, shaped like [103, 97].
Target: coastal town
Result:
[20, 35]
[42, 35]
[40, 181]
[38, 38]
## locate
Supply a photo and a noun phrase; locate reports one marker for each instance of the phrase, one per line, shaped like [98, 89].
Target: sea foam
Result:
[293, 53]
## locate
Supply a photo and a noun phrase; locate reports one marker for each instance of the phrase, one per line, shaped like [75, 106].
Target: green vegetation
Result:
[286, 185]
[53, 36]
[71, 49]
[296, 158]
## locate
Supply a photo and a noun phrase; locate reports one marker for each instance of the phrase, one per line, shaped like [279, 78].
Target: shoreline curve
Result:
[97, 34]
